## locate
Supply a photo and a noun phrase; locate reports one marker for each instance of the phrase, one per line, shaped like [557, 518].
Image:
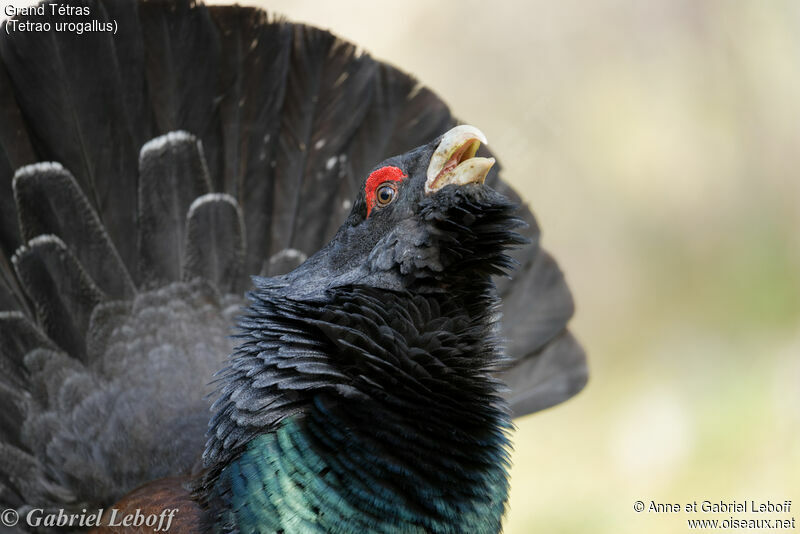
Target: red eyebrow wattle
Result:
[378, 177]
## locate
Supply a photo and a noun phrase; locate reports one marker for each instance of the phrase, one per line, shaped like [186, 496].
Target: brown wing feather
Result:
[155, 500]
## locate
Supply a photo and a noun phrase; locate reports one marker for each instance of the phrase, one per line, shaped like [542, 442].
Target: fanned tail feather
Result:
[195, 148]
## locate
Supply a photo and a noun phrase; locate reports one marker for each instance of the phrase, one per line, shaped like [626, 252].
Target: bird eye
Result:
[381, 187]
[385, 194]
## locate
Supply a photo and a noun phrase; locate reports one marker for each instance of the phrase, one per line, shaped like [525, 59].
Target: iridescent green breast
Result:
[308, 477]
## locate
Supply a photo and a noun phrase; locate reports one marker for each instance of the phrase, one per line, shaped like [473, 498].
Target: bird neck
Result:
[394, 423]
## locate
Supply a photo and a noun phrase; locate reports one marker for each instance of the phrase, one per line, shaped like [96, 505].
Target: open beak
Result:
[454, 160]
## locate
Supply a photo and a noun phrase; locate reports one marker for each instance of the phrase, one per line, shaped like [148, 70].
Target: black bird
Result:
[145, 175]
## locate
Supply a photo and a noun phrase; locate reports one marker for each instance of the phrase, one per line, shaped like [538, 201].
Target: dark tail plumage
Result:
[144, 176]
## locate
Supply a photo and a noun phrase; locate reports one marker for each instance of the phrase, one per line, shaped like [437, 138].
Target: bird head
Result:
[393, 321]
[422, 221]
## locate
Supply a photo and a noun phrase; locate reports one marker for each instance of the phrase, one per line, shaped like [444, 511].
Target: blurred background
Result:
[659, 145]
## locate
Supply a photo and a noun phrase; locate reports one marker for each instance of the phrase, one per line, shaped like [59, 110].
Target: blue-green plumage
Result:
[284, 481]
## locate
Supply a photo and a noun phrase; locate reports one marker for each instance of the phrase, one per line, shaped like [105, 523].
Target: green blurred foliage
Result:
[658, 143]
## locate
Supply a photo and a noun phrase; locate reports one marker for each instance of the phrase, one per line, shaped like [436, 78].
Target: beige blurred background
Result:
[659, 145]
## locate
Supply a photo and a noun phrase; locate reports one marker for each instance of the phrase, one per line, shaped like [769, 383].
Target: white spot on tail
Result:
[167, 140]
[41, 168]
[212, 197]
[38, 241]
[288, 254]
[330, 163]
[341, 79]
[46, 239]
[414, 91]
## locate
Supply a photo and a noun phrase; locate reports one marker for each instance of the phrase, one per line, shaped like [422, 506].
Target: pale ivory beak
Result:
[454, 160]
